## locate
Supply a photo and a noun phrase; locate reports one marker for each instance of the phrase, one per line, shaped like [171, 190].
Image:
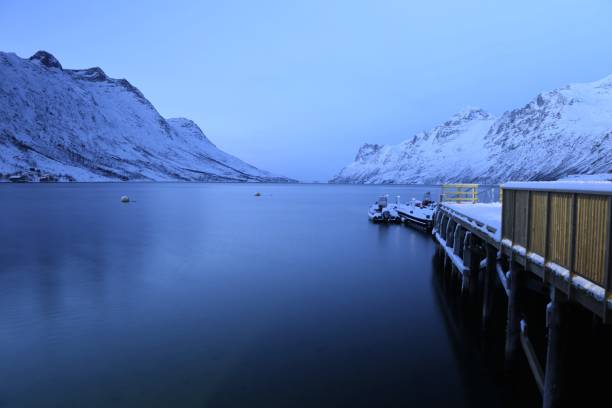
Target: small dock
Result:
[549, 238]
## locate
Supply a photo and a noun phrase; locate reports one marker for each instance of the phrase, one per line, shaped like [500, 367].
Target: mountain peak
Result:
[47, 59]
[367, 150]
[471, 113]
[605, 82]
[90, 74]
[468, 114]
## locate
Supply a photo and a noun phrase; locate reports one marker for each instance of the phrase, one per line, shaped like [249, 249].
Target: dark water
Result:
[206, 296]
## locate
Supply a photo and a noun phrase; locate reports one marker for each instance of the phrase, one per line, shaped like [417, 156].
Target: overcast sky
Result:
[297, 88]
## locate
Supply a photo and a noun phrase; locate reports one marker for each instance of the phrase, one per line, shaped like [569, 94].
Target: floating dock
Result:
[551, 238]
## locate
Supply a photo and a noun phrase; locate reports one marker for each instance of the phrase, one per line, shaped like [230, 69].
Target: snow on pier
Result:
[553, 238]
[575, 254]
[484, 216]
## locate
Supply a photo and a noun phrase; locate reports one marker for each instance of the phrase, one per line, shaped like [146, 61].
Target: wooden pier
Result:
[550, 239]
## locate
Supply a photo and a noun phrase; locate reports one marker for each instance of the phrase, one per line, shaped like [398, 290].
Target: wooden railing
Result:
[569, 227]
[459, 193]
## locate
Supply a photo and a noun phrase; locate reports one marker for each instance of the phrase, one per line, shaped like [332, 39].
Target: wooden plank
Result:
[512, 220]
[537, 223]
[532, 358]
[560, 229]
[608, 262]
[572, 247]
[528, 223]
[502, 278]
[507, 214]
[521, 204]
[591, 226]
[546, 236]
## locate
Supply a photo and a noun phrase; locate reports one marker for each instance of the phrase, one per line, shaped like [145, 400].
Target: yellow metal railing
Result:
[459, 193]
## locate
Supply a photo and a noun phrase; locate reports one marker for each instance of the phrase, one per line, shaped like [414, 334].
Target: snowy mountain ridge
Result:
[59, 124]
[558, 133]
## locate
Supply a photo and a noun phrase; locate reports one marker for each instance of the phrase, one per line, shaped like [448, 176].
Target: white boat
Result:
[382, 211]
[18, 179]
[418, 213]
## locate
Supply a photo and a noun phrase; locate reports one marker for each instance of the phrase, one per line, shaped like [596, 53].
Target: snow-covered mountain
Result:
[61, 124]
[561, 132]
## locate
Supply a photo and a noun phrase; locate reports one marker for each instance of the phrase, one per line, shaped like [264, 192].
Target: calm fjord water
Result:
[204, 295]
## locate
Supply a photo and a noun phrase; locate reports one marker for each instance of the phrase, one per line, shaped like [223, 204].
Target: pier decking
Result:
[551, 238]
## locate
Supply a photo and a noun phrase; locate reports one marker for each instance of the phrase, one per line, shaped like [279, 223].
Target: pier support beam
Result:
[513, 322]
[458, 240]
[556, 317]
[488, 287]
[474, 265]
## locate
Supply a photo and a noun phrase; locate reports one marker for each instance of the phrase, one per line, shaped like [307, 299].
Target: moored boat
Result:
[18, 178]
[382, 211]
[418, 213]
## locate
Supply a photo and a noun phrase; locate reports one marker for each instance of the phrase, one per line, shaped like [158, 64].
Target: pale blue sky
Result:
[296, 87]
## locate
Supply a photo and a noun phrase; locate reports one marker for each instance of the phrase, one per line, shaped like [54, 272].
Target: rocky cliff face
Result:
[66, 125]
[561, 132]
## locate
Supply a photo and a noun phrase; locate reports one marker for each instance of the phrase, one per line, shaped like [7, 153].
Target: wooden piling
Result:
[513, 321]
[462, 249]
[557, 338]
[488, 288]
[474, 265]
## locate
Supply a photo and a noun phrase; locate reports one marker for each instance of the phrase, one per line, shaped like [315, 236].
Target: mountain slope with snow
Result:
[428, 156]
[63, 124]
[561, 132]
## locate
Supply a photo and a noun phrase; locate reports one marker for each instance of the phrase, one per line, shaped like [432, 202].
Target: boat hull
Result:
[418, 222]
[417, 216]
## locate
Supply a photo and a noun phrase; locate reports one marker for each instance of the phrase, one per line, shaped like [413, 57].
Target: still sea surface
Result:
[203, 295]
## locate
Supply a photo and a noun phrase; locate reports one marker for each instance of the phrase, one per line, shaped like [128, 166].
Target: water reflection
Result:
[205, 295]
[479, 354]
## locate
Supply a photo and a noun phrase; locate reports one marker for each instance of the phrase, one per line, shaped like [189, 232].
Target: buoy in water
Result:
[125, 199]
[257, 194]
